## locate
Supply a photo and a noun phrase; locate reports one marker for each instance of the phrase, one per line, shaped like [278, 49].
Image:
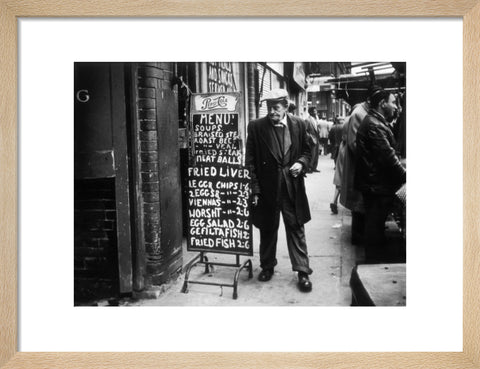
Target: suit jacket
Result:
[312, 130]
[267, 167]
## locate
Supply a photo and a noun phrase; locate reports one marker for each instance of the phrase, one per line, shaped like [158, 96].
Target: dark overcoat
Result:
[265, 163]
[350, 197]
[378, 169]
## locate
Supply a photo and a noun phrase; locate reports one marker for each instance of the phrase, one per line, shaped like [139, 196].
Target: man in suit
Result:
[312, 131]
[278, 155]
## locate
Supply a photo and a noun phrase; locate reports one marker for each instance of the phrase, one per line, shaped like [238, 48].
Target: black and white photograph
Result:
[240, 183]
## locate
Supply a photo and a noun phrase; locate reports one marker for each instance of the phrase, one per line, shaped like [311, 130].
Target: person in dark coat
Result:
[335, 137]
[314, 139]
[350, 198]
[378, 173]
[292, 107]
[278, 156]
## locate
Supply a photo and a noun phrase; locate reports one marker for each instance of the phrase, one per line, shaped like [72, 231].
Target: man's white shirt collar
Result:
[283, 121]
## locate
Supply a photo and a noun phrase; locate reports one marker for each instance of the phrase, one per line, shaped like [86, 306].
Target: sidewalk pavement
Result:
[332, 258]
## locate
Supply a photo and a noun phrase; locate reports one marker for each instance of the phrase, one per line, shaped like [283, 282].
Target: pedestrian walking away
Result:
[322, 128]
[278, 156]
[339, 161]
[335, 137]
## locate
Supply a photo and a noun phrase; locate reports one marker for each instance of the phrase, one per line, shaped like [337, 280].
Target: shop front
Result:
[132, 151]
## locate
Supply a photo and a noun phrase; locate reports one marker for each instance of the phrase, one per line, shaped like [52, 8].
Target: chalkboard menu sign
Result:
[218, 181]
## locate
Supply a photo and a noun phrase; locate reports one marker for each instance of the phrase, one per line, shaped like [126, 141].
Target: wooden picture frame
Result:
[10, 10]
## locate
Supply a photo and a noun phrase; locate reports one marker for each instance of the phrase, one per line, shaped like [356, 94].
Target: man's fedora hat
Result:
[276, 95]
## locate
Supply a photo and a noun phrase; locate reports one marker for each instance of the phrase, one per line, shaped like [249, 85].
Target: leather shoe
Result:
[304, 283]
[265, 275]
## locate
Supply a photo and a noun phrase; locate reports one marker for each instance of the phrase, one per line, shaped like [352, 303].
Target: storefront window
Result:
[221, 77]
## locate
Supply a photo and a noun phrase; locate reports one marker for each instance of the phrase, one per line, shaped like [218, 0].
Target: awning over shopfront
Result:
[353, 88]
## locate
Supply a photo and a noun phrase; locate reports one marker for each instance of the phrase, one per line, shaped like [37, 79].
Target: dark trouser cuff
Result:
[304, 270]
[269, 265]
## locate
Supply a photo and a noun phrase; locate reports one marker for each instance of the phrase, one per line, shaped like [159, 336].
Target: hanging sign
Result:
[218, 181]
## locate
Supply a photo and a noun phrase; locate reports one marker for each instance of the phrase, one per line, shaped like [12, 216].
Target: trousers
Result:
[358, 227]
[296, 242]
[377, 208]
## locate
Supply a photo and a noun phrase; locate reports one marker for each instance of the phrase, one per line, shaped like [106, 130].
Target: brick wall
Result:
[158, 160]
[95, 239]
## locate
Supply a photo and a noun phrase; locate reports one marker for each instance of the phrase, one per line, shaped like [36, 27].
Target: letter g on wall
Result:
[82, 96]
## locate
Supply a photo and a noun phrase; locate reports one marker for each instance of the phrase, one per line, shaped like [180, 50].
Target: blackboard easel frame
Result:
[201, 258]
